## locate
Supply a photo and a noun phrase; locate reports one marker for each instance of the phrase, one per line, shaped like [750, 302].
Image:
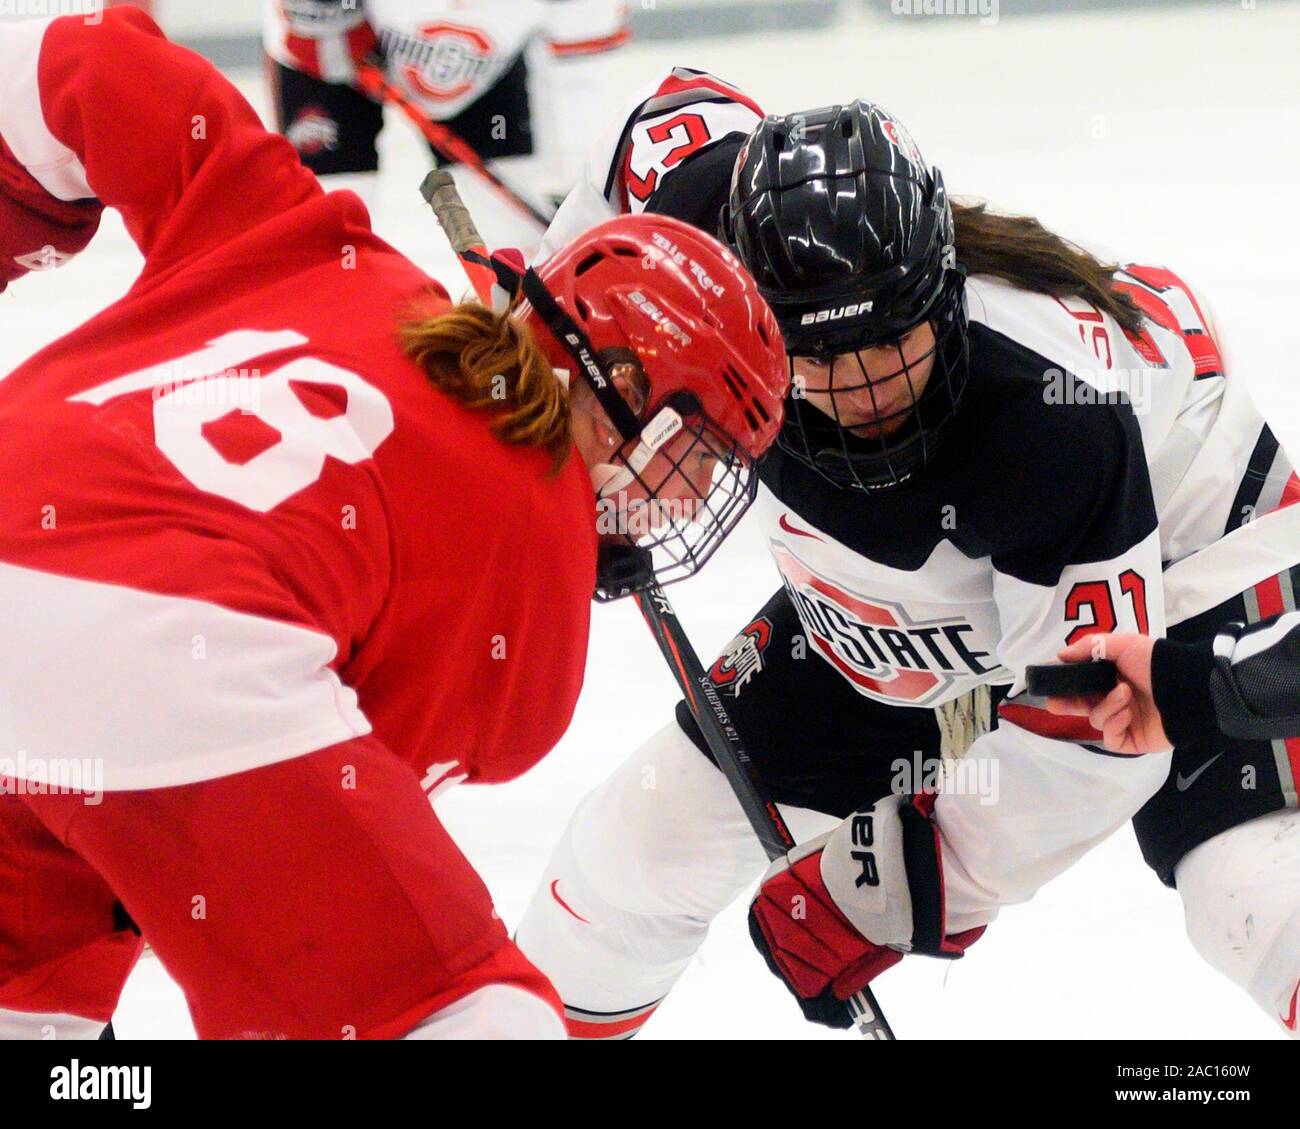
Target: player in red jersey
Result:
[288, 542]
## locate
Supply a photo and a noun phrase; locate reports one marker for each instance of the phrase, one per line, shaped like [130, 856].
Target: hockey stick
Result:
[730, 756]
[448, 144]
[439, 190]
[441, 194]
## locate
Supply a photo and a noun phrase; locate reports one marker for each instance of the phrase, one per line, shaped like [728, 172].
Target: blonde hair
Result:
[492, 361]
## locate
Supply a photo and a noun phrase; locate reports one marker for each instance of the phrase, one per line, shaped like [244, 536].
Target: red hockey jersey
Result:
[238, 525]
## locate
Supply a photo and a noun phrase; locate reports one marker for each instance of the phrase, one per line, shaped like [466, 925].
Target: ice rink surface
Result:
[1167, 137]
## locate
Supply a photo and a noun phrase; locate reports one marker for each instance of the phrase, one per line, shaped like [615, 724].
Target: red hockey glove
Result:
[839, 910]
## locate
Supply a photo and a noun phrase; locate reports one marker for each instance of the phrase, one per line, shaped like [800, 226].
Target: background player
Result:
[973, 472]
[513, 78]
[290, 544]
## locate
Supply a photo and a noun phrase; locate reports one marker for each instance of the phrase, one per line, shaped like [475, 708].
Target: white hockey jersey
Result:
[445, 54]
[1017, 547]
[1093, 482]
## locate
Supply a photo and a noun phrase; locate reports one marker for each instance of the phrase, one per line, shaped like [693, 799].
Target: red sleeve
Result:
[114, 111]
[37, 230]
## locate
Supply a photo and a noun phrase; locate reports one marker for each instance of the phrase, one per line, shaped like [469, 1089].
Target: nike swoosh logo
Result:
[1288, 1021]
[556, 895]
[1185, 782]
[784, 523]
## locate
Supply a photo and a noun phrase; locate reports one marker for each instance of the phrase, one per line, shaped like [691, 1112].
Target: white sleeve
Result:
[649, 141]
[1046, 797]
[585, 205]
[23, 127]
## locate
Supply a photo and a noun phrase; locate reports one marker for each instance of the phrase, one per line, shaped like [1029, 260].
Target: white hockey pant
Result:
[661, 848]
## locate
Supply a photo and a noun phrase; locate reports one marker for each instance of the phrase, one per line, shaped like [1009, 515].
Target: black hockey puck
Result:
[1071, 680]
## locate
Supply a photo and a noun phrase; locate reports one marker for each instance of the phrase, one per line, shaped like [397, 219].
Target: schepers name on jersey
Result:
[875, 645]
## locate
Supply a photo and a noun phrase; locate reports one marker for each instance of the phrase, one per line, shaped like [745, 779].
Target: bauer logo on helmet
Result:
[818, 317]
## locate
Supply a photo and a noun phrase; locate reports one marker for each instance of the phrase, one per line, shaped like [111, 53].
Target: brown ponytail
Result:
[491, 361]
[1022, 251]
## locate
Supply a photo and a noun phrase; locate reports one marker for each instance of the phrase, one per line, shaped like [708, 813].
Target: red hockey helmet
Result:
[670, 301]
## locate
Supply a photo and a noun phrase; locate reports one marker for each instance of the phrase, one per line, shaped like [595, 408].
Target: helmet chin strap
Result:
[608, 480]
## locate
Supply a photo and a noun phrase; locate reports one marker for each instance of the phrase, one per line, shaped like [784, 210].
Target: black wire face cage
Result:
[676, 486]
[670, 512]
[889, 448]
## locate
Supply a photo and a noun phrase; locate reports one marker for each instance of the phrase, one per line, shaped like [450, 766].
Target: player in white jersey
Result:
[995, 446]
[513, 78]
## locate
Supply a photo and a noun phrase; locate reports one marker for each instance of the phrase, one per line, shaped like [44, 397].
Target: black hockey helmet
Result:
[850, 236]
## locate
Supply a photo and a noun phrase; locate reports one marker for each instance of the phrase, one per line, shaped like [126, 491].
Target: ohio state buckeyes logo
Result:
[313, 131]
[445, 60]
[876, 646]
[742, 658]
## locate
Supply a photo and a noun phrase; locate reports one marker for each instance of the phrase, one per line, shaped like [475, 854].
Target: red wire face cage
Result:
[670, 333]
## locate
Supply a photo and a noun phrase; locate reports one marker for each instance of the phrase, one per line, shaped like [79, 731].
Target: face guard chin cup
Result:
[686, 497]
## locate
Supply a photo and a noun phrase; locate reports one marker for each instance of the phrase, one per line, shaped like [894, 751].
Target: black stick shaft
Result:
[706, 705]
[730, 755]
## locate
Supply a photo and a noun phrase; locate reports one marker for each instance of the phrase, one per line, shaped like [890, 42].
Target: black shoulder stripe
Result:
[1252, 482]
